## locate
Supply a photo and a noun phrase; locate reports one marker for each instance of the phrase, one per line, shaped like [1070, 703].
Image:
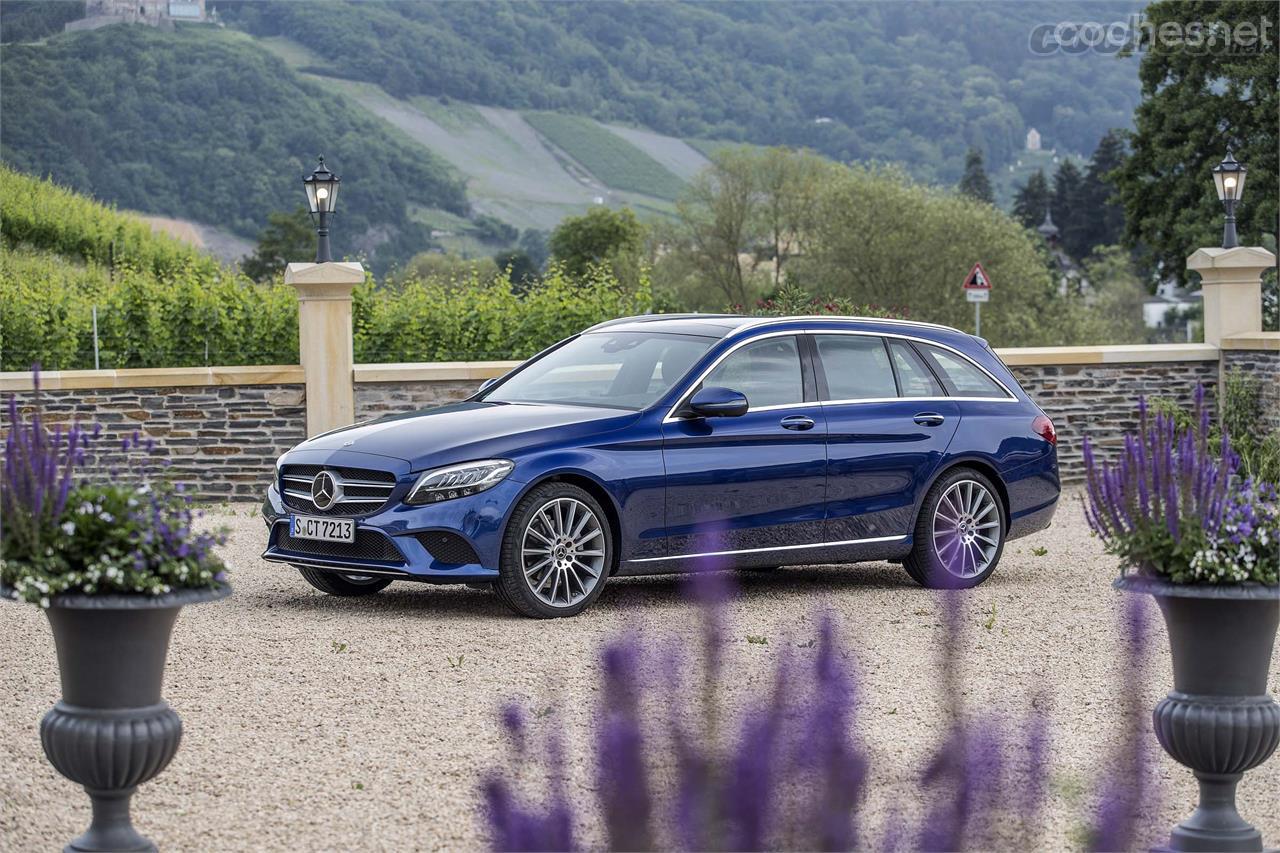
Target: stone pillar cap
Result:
[333, 272]
[1217, 258]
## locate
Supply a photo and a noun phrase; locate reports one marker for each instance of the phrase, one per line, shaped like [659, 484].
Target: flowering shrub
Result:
[791, 775]
[63, 531]
[1172, 507]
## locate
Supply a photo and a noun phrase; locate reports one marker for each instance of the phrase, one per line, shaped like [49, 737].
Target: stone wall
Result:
[1265, 366]
[221, 443]
[1100, 400]
[375, 399]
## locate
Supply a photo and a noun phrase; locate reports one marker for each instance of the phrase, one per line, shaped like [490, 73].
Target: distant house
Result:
[1169, 305]
[823, 120]
[1033, 140]
[153, 13]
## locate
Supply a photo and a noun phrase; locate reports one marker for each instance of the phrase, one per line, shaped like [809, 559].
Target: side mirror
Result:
[487, 384]
[717, 402]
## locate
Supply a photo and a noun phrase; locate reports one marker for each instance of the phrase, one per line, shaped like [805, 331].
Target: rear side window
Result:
[857, 367]
[767, 372]
[913, 375]
[962, 378]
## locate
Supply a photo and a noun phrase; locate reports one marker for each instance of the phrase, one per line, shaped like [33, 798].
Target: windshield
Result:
[620, 370]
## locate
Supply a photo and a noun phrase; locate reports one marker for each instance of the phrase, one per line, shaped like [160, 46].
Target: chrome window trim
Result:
[670, 417]
[1011, 398]
[777, 548]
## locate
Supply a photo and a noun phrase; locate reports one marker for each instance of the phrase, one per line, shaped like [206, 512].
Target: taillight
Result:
[1043, 427]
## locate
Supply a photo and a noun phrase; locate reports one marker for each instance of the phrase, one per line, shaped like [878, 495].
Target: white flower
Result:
[69, 528]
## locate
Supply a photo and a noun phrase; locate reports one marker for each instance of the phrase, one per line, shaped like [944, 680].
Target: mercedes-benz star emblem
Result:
[326, 490]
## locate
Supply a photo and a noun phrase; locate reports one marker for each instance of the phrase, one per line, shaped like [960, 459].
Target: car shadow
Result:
[622, 594]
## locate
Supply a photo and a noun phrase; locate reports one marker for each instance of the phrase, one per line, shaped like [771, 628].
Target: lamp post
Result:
[322, 198]
[1228, 177]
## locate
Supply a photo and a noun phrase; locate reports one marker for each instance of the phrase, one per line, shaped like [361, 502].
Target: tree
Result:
[789, 184]
[599, 237]
[975, 183]
[533, 243]
[883, 240]
[1069, 210]
[519, 269]
[287, 238]
[1198, 101]
[1104, 224]
[1032, 200]
[717, 213]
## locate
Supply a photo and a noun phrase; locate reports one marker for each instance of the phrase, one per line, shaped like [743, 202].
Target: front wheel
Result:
[959, 534]
[556, 553]
[343, 583]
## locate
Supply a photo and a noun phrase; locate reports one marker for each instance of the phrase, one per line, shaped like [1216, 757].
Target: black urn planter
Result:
[1219, 719]
[111, 731]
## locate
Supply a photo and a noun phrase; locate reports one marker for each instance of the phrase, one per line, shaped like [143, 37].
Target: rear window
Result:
[857, 367]
[961, 377]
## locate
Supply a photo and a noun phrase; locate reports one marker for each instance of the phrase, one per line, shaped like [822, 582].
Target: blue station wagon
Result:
[675, 443]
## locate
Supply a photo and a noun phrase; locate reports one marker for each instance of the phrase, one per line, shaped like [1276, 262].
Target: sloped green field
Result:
[606, 155]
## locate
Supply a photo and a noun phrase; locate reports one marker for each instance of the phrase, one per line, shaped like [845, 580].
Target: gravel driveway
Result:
[314, 723]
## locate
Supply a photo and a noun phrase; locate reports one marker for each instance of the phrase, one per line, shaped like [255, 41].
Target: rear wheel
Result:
[959, 535]
[556, 553]
[343, 583]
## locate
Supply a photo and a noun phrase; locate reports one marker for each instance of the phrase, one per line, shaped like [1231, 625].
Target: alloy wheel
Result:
[562, 552]
[966, 529]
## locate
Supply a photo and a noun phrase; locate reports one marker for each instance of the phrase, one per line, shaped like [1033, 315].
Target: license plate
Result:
[324, 529]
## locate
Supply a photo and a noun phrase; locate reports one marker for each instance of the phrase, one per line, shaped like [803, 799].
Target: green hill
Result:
[915, 83]
[205, 125]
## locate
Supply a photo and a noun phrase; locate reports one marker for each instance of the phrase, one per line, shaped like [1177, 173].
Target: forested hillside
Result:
[915, 83]
[205, 125]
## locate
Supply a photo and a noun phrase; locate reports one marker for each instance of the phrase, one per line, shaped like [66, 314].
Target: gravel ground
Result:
[316, 723]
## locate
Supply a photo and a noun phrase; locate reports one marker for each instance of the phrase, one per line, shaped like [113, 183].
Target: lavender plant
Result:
[1172, 506]
[793, 777]
[68, 527]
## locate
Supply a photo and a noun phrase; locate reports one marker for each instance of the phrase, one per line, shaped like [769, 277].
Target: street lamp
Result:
[1228, 177]
[322, 196]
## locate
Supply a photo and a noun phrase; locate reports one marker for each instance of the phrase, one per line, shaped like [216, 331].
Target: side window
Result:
[857, 367]
[767, 371]
[962, 378]
[913, 375]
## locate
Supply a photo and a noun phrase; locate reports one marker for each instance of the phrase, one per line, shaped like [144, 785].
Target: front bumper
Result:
[398, 539]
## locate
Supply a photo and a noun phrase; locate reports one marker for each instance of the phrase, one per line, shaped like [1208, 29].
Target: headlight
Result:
[458, 481]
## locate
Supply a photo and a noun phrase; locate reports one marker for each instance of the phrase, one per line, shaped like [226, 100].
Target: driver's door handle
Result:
[798, 422]
[929, 419]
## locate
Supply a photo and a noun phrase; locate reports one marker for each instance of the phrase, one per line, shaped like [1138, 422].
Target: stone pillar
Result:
[324, 340]
[1232, 288]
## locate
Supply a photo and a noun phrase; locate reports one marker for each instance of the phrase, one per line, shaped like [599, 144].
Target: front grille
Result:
[447, 547]
[364, 490]
[369, 545]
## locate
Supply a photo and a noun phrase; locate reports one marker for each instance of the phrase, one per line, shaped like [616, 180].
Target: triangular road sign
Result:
[977, 279]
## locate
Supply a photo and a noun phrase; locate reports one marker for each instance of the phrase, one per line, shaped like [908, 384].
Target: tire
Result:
[544, 571]
[978, 533]
[345, 584]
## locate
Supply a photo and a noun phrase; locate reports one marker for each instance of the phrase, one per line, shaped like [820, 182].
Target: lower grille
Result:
[369, 545]
[447, 547]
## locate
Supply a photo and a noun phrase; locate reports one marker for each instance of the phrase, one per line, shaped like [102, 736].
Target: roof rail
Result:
[652, 318]
[837, 317]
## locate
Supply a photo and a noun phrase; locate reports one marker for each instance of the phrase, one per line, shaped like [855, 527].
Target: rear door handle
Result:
[797, 422]
[929, 419]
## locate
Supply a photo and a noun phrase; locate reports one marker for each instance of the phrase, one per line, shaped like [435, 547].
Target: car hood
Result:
[476, 430]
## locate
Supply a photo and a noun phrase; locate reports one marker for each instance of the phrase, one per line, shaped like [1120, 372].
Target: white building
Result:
[1033, 140]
